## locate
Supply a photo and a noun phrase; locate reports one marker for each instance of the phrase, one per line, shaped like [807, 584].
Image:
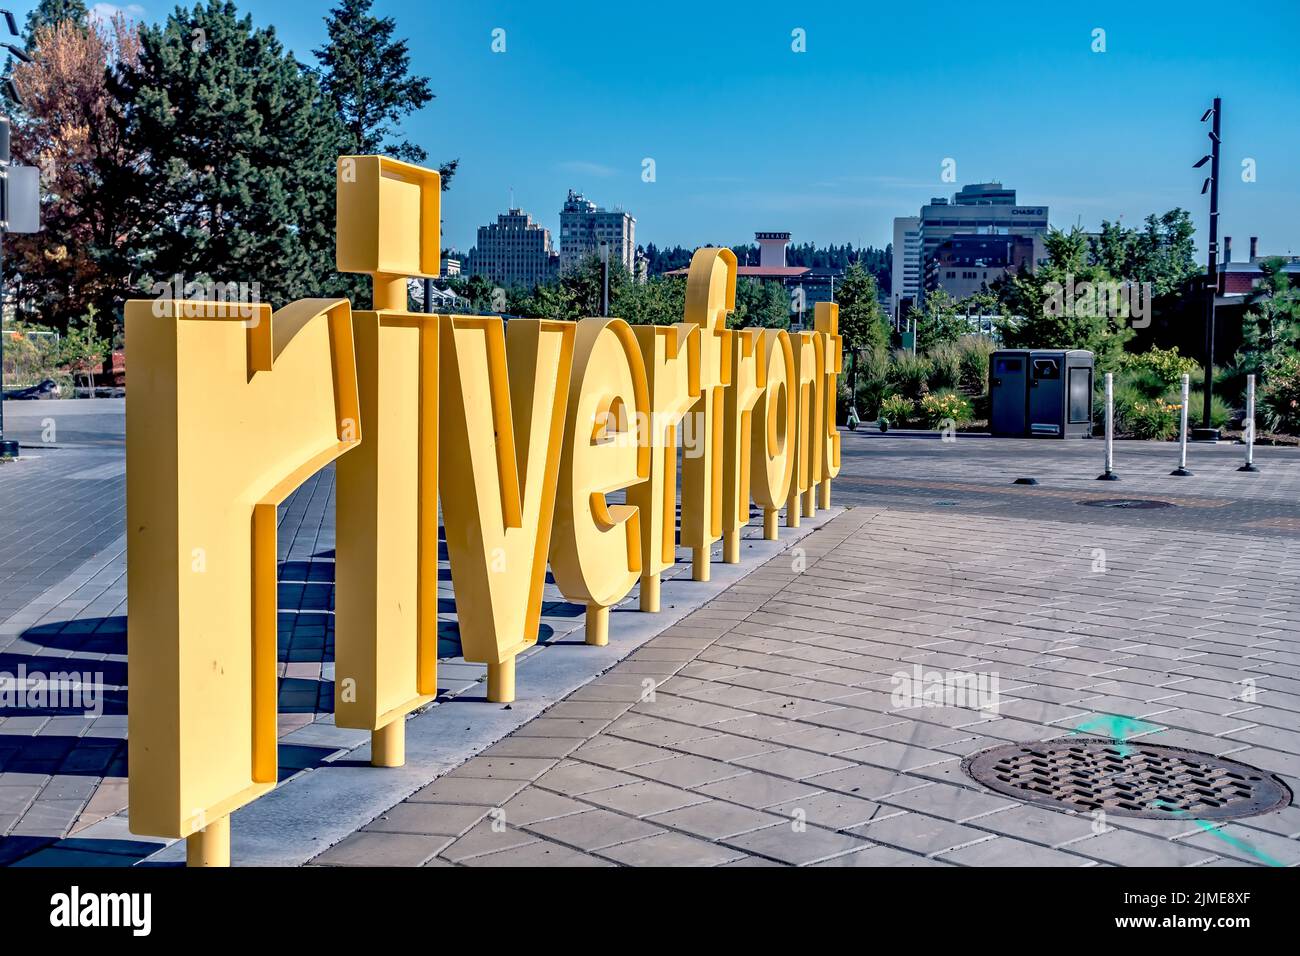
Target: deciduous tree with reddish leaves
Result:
[68, 127]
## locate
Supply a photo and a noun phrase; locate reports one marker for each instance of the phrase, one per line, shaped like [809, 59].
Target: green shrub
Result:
[1152, 419]
[871, 387]
[1229, 381]
[874, 362]
[1278, 402]
[1138, 415]
[1144, 381]
[975, 352]
[909, 374]
[1220, 411]
[938, 407]
[945, 366]
[870, 392]
[1126, 396]
[897, 409]
[1165, 366]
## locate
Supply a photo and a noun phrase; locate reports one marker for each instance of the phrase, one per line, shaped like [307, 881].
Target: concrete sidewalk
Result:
[760, 729]
[782, 682]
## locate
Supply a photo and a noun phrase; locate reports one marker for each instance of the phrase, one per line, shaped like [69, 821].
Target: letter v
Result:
[503, 402]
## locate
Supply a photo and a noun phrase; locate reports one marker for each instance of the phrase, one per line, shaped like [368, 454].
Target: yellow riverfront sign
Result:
[523, 432]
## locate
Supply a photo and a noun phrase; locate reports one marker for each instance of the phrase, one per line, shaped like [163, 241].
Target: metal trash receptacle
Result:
[1009, 393]
[1060, 393]
[1040, 393]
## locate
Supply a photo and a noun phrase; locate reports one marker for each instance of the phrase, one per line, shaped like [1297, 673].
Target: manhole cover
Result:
[1128, 779]
[1127, 503]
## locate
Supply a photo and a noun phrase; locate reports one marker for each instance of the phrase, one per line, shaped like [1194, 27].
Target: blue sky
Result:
[832, 143]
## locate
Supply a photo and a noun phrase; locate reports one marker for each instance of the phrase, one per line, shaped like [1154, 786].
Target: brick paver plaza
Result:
[760, 728]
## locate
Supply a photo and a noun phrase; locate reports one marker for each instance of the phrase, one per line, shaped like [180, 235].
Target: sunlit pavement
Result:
[758, 729]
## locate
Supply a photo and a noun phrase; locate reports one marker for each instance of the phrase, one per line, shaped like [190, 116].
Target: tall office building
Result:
[514, 251]
[978, 209]
[584, 226]
[905, 278]
[986, 208]
[965, 265]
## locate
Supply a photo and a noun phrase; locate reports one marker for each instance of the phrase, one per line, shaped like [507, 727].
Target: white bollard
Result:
[1109, 473]
[1181, 471]
[1250, 426]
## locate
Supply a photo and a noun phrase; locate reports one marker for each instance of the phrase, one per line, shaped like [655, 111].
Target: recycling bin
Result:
[1009, 393]
[1040, 393]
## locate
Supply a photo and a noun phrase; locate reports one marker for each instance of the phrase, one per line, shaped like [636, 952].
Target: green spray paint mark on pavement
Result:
[1118, 728]
[1226, 838]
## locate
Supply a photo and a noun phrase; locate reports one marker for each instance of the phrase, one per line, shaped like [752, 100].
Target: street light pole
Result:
[8, 448]
[1206, 432]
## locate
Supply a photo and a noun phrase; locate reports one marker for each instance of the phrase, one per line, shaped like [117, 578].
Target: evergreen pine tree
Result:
[366, 74]
[49, 13]
[239, 147]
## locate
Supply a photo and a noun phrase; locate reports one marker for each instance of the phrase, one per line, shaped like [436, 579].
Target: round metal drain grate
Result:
[1138, 503]
[1127, 779]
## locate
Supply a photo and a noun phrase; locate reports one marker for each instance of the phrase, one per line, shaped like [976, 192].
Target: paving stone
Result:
[919, 834]
[881, 856]
[469, 791]
[657, 732]
[752, 861]
[595, 829]
[726, 746]
[870, 782]
[586, 709]
[618, 754]
[671, 849]
[504, 768]
[687, 771]
[854, 719]
[895, 756]
[552, 747]
[489, 836]
[644, 798]
[835, 811]
[575, 779]
[951, 803]
[433, 819]
[792, 763]
[366, 848]
[1126, 848]
[1004, 851]
[540, 853]
[533, 805]
[714, 819]
[797, 847]
[583, 728]
[1249, 846]
[826, 740]
[757, 790]
[1038, 825]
